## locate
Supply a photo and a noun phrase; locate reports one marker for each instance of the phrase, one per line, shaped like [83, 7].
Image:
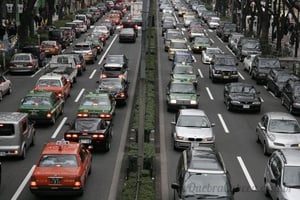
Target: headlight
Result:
[271, 137]
[173, 101]
[296, 104]
[193, 102]
[236, 102]
[256, 103]
[179, 137]
[208, 139]
[218, 72]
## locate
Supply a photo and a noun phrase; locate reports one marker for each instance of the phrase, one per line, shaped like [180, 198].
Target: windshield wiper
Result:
[203, 196]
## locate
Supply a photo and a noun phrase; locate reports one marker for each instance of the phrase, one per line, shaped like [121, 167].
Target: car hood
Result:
[102, 109]
[184, 76]
[287, 139]
[184, 96]
[243, 96]
[194, 132]
[56, 171]
[292, 193]
[225, 67]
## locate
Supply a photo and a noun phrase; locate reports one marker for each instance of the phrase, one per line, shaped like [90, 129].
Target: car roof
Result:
[8, 117]
[291, 156]
[280, 115]
[191, 111]
[61, 147]
[239, 84]
[51, 76]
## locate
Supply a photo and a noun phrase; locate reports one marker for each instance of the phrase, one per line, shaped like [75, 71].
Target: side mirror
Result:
[275, 181]
[212, 124]
[235, 189]
[68, 124]
[175, 186]
[173, 123]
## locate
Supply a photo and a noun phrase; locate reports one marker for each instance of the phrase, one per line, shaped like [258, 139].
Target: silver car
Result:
[207, 54]
[278, 130]
[281, 177]
[192, 127]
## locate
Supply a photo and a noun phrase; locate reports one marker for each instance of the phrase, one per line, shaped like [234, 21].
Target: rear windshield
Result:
[7, 129]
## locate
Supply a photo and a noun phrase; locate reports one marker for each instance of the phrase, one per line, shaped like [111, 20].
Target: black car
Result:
[60, 35]
[110, 25]
[75, 27]
[261, 66]
[80, 62]
[166, 25]
[117, 87]
[242, 97]
[116, 58]
[225, 29]
[290, 96]
[113, 70]
[277, 78]
[128, 23]
[36, 51]
[223, 67]
[95, 133]
[247, 46]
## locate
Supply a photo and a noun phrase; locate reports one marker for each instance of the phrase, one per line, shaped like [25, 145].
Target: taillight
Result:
[48, 115]
[105, 115]
[103, 76]
[121, 76]
[82, 114]
[90, 53]
[29, 64]
[101, 136]
[12, 65]
[69, 135]
[33, 182]
[78, 65]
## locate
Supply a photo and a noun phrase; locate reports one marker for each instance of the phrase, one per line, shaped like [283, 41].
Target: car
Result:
[213, 22]
[56, 83]
[127, 35]
[5, 86]
[113, 70]
[278, 130]
[36, 51]
[233, 39]
[208, 14]
[42, 106]
[182, 10]
[191, 126]
[181, 93]
[94, 133]
[200, 43]
[247, 46]
[185, 72]
[102, 29]
[187, 19]
[169, 35]
[71, 33]
[177, 45]
[62, 168]
[201, 174]
[61, 36]
[242, 97]
[66, 59]
[290, 95]
[248, 60]
[117, 87]
[223, 67]
[101, 37]
[208, 53]
[195, 32]
[115, 18]
[165, 26]
[261, 66]
[81, 25]
[183, 57]
[64, 69]
[75, 27]
[84, 18]
[224, 30]
[110, 25]
[79, 61]
[23, 63]
[17, 134]
[95, 42]
[277, 78]
[128, 23]
[281, 179]
[96, 104]
[116, 59]
[88, 51]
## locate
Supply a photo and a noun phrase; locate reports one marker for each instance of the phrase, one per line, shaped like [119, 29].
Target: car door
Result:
[275, 177]
[66, 87]
[4, 85]
[261, 128]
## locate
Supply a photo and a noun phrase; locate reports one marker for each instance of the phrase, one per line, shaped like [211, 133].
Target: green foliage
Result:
[147, 191]
[128, 192]
[149, 154]
[132, 157]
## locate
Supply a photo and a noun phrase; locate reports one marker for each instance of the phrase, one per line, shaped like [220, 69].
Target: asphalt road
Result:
[106, 166]
[235, 131]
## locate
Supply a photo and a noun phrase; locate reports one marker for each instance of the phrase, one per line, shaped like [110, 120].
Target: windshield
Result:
[183, 58]
[291, 176]
[183, 70]
[95, 101]
[49, 83]
[251, 45]
[58, 160]
[213, 51]
[193, 121]
[269, 63]
[114, 59]
[182, 88]
[36, 100]
[202, 40]
[282, 78]
[178, 45]
[243, 89]
[284, 126]
[206, 185]
[224, 61]
[82, 47]
[105, 83]
[86, 124]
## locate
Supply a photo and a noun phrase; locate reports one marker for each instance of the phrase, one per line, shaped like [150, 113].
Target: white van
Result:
[16, 134]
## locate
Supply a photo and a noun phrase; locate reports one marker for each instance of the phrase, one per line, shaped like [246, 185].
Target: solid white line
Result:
[23, 184]
[212, 41]
[262, 100]
[194, 58]
[241, 76]
[223, 123]
[200, 73]
[209, 93]
[246, 173]
[100, 61]
[79, 95]
[59, 127]
[229, 50]
[92, 74]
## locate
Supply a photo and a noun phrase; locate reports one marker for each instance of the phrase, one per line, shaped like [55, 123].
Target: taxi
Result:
[51, 47]
[62, 168]
[186, 72]
[55, 83]
[96, 104]
[42, 106]
[177, 45]
[181, 94]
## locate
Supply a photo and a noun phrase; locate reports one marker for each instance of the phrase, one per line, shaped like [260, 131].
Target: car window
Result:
[274, 168]
[83, 154]
[193, 121]
[51, 160]
[7, 129]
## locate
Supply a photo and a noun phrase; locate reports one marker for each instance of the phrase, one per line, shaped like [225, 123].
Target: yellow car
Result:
[177, 45]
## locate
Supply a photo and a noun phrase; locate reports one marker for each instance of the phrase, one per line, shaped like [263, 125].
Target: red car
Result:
[62, 168]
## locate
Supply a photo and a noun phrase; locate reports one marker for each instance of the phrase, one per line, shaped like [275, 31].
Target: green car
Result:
[200, 43]
[185, 72]
[42, 106]
[99, 105]
[181, 94]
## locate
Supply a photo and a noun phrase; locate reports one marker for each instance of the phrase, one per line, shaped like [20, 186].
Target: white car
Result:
[248, 62]
[187, 19]
[81, 25]
[5, 86]
[213, 22]
[102, 29]
[207, 54]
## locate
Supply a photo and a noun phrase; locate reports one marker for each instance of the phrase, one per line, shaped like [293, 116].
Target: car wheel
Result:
[174, 146]
[282, 101]
[266, 149]
[53, 120]
[228, 106]
[23, 154]
[276, 93]
[107, 146]
[266, 191]
[9, 90]
[257, 139]
[291, 108]
[90, 170]
[268, 87]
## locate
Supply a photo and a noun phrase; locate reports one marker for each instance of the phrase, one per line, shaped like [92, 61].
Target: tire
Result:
[32, 141]
[23, 154]
[53, 120]
[107, 146]
[257, 139]
[228, 106]
[90, 170]
[266, 191]
[282, 101]
[265, 149]
[9, 90]
[291, 108]
[268, 88]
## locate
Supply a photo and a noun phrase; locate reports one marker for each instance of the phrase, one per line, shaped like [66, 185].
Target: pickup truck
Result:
[95, 133]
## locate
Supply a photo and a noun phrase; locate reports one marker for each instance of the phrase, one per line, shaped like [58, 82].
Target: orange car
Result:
[51, 47]
[62, 168]
[115, 17]
[55, 83]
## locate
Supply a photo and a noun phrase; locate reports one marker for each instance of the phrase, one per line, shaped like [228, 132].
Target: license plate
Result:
[85, 141]
[55, 181]
[246, 106]
[19, 65]
[226, 77]
[33, 112]
[2, 153]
